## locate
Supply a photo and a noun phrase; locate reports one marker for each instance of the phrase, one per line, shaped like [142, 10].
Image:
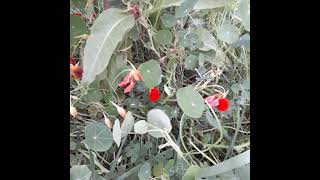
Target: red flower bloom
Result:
[154, 94]
[130, 79]
[76, 71]
[222, 104]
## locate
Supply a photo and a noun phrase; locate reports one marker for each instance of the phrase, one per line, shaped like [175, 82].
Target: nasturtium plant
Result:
[159, 89]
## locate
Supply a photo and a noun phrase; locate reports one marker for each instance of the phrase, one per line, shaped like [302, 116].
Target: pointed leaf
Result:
[127, 124]
[225, 166]
[98, 137]
[106, 33]
[190, 101]
[116, 132]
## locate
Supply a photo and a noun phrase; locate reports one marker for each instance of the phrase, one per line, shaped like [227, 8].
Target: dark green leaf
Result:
[164, 37]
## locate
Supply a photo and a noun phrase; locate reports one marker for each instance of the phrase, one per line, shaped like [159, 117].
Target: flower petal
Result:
[154, 94]
[126, 80]
[77, 72]
[130, 87]
[214, 103]
[210, 99]
[136, 75]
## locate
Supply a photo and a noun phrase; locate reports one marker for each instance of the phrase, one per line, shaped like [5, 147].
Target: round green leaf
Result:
[151, 72]
[159, 119]
[141, 127]
[190, 101]
[145, 171]
[228, 33]
[168, 20]
[191, 62]
[80, 172]
[98, 136]
[164, 37]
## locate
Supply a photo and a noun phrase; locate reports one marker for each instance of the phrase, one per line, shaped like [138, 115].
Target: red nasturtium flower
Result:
[130, 79]
[75, 70]
[154, 94]
[221, 103]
